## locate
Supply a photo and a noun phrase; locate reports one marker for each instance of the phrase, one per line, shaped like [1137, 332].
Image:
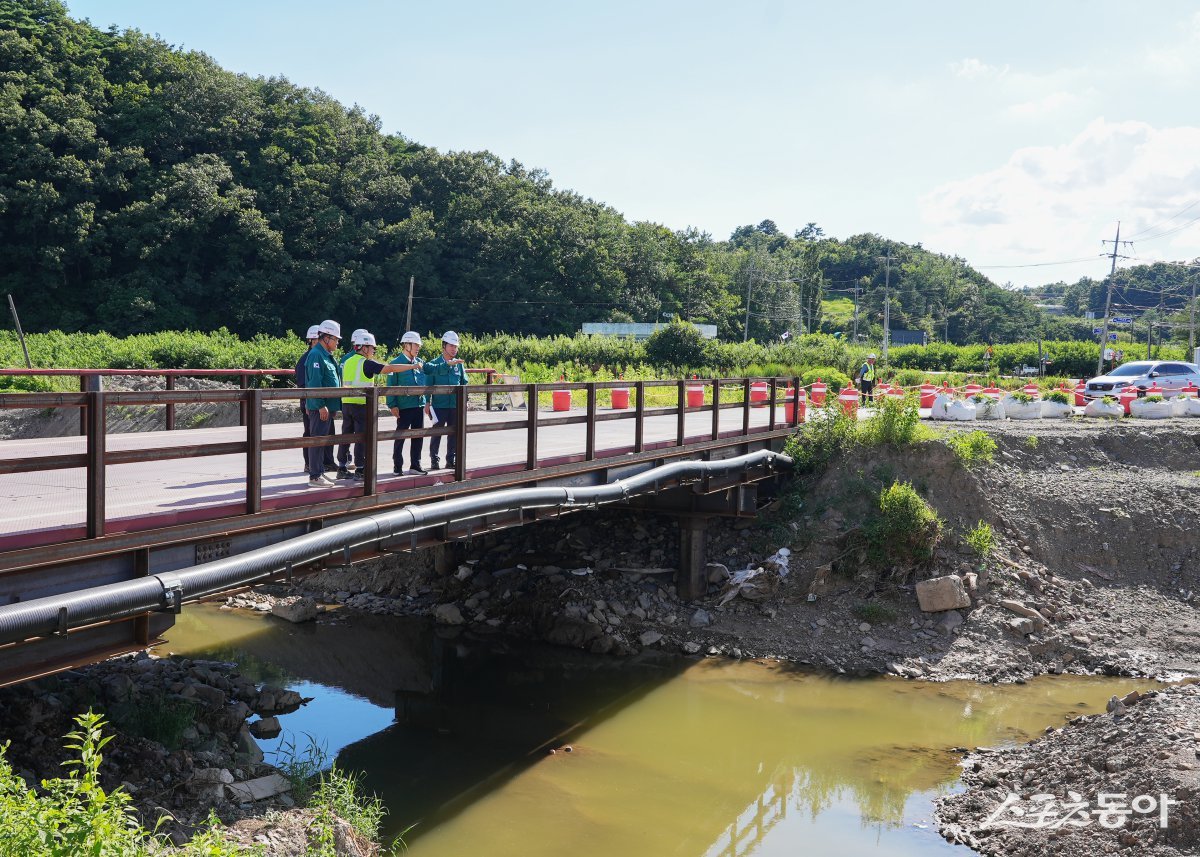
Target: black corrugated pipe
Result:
[59, 613]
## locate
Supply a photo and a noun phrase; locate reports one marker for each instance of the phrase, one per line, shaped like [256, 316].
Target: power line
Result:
[1162, 222]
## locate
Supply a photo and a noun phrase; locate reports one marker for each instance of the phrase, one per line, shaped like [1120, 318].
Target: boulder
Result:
[942, 593]
[266, 728]
[448, 614]
[649, 638]
[295, 608]
[261, 788]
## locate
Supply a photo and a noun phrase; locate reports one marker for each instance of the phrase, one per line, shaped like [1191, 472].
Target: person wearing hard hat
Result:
[407, 409]
[866, 380]
[298, 377]
[359, 369]
[445, 370]
[321, 370]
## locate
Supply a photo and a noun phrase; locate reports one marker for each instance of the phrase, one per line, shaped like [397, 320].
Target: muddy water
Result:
[667, 756]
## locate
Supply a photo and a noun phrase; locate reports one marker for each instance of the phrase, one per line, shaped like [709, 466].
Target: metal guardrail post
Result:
[590, 443]
[531, 416]
[371, 447]
[716, 408]
[487, 383]
[252, 406]
[170, 385]
[639, 422]
[771, 415]
[682, 412]
[88, 384]
[95, 413]
[745, 406]
[242, 405]
[795, 420]
[460, 433]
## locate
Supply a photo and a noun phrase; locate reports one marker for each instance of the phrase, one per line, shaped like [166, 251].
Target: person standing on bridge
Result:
[301, 368]
[321, 370]
[866, 380]
[359, 369]
[408, 409]
[445, 369]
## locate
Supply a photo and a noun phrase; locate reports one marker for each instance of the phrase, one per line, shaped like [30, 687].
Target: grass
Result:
[159, 718]
[302, 767]
[972, 448]
[876, 614]
[982, 539]
[1031, 442]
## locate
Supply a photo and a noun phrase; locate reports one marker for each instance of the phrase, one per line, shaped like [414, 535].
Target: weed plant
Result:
[972, 448]
[876, 614]
[907, 529]
[982, 539]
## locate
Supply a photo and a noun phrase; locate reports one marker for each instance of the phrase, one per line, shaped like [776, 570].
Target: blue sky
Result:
[1011, 134]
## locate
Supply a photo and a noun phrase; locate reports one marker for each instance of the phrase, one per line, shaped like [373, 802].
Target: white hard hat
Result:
[871, 356]
[411, 336]
[330, 327]
[356, 337]
[366, 338]
[313, 332]
[450, 337]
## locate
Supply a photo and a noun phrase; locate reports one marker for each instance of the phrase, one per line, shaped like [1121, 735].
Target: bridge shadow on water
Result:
[668, 755]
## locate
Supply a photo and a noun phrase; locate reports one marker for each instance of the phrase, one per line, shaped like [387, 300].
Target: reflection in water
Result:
[669, 756]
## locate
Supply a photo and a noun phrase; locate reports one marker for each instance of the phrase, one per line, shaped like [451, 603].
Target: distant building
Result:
[1052, 309]
[908, 337]
[639, 331]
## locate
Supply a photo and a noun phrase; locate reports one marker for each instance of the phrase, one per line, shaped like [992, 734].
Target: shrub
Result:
[909, 378]
[828, 432]
[1153, 397]
[678, 344]
[1021, 396]
[835, 378]
[973, 447]
[982, 539]
[1059, 396]
[1031, 442]
[895, 423]
[907, 529]
[1109, 400]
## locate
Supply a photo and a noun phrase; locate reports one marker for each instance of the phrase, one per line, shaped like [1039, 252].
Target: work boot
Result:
[417, 471]
[435, 463]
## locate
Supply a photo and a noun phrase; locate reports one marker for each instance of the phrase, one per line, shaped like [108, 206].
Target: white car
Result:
[1171, 375]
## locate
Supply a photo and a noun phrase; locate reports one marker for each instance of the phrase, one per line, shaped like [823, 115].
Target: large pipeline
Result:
[168, 590]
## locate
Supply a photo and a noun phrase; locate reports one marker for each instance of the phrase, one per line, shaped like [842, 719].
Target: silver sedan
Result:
[1171, 375]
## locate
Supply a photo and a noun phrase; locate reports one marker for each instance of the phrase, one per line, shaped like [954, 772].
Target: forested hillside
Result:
[144, 188]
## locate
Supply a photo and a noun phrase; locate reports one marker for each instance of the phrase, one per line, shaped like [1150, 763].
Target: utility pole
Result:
[855, 312]
[749, 286]
[1192, 325]
[408, 321]
[1108, 301]
[887, 303]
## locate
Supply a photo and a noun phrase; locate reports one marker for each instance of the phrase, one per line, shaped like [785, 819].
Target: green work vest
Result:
[353, 376]
[868, 372]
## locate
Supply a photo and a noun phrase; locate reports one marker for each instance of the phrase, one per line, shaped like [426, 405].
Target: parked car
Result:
[1171, 375]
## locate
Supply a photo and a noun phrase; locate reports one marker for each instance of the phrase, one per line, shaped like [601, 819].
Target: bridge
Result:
[111, 513]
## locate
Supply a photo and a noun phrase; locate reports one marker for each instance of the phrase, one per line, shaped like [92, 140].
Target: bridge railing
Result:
[681, 397]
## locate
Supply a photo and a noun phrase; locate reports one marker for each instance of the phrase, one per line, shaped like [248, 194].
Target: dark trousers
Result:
[317, 427]
[868, 391]
[354, 419]
[409, 418]
[445, 417]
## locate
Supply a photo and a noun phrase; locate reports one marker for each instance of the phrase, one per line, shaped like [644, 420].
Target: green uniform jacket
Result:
[438, 373]
[410, 378]
[321, 371]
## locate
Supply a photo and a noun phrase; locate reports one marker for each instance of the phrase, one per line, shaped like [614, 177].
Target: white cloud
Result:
[975, 69]
[1044, 106]
[1181, 59]
[1050, 203]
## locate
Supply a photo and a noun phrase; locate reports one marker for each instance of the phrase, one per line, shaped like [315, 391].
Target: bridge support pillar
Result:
[691, 581]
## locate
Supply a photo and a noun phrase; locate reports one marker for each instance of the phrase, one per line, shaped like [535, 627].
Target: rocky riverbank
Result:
[1125, 781]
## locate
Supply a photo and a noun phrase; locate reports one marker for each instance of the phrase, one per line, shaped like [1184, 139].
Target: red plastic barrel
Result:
[928, 394]
[758, 394]
[1080, 399]
[818, 393]
[1126, 396]
[790, 400]
[620, 398]
[561, 400]
[695, 397]
[848, 399]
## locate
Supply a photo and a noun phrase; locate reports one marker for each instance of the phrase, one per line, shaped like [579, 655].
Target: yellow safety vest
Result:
[868, 373]
[353, 376]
